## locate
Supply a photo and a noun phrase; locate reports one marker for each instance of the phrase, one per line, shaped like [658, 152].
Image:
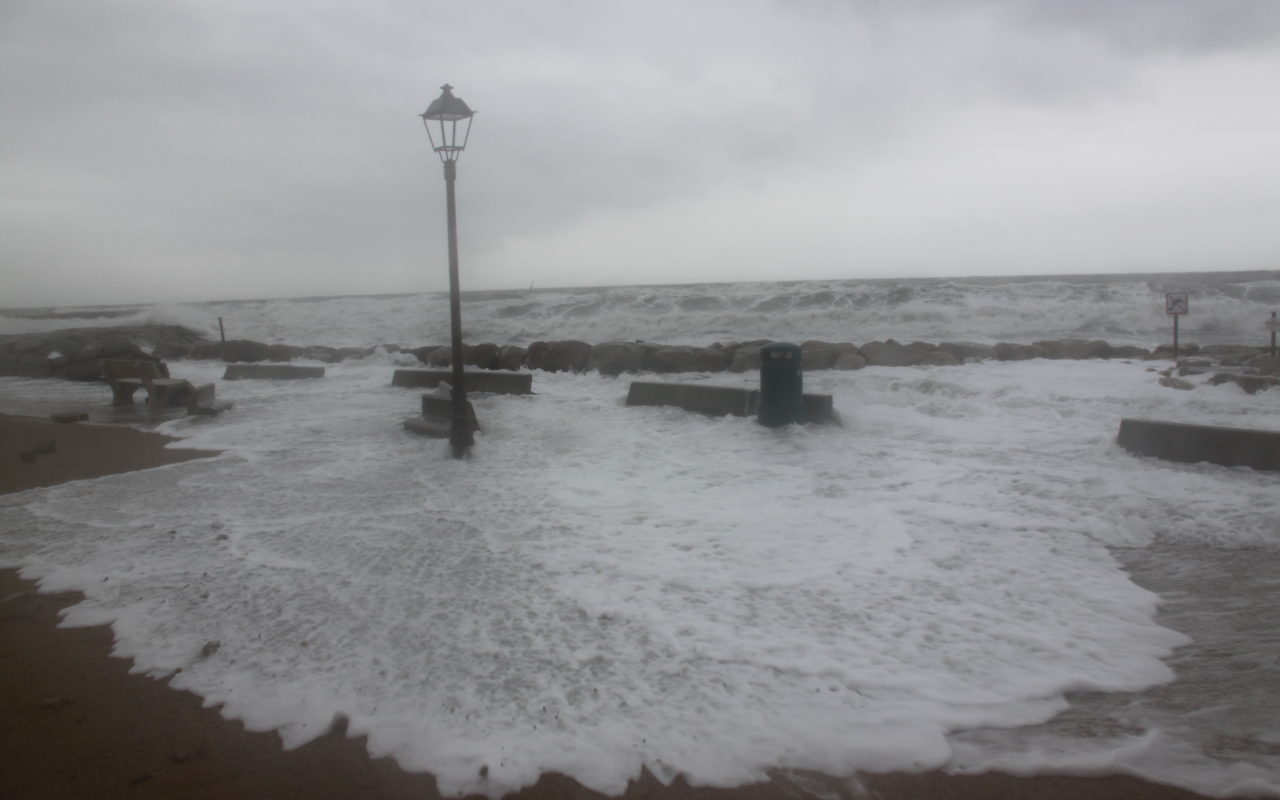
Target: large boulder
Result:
[1129, 351]
[204, 350]
[355, 352]
[615, 358]
[683, 358]
[423, 353]
[1265, 364]
[966, 352]
[74, 352]
[1006, 351]
[283, 352]
[568, 355]
[890, 353]
[1165, 351]
[815, 354]
[1177, 383]
[1231, 354]
[850, 360]
[167, 351]
[511, 357]
[232, 350]
[1251, 384]
[934, 355]
[745, 357]
[1076, 349]
[439, 357]
[318, 352]
[481, 356]
[1193, 366]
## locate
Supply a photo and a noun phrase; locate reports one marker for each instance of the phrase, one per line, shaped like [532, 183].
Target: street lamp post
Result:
[441, 120]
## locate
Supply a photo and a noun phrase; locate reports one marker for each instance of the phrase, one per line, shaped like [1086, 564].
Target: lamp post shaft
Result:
[460, 439]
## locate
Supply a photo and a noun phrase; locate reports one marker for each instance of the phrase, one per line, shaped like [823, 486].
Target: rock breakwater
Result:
[74, 353]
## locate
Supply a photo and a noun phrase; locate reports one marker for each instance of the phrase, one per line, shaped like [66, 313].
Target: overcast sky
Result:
[182, 150]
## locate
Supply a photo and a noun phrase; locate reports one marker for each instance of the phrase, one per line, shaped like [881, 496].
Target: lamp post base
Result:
[460, 439]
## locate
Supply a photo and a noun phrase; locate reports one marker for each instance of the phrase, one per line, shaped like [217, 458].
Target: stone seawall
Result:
[73, 353]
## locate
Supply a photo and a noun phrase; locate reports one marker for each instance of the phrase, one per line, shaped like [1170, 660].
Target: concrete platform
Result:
[424, 426]
[820, 408]
[437, 417]
[1177, 441]
[279, 372]
[476, 381]
[441, 408]
[714, 400]
[721, 400]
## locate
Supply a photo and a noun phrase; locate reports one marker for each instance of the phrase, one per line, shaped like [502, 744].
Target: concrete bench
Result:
[127, 377]
[721, 400]
[279, 372]
[1178, 441]
[475, 381]
[713, 400]
[437, 417]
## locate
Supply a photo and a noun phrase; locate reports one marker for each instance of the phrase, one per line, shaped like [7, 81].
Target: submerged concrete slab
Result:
[476, 381]
[720, 400]
[715, 400]
[820, 408]
[278, 372]
[441, 408]
[1177, 441]
[428, 427]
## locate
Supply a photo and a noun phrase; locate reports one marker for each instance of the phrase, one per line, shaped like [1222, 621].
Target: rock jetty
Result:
[73, 353]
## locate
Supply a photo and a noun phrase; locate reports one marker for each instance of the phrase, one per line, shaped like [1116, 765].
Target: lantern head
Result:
[441, 119]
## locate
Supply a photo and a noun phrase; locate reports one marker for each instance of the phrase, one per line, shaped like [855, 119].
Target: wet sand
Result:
[78, 451]
[75, 724]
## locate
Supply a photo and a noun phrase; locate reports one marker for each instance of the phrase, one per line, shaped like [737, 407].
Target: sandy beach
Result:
[78, 725]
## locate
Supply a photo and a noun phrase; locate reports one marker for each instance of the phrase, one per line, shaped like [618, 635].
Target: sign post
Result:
[1273, 325]
[1175, 305]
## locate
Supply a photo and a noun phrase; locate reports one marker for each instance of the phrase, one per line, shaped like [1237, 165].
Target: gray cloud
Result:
[1144, 26]
[181, 150]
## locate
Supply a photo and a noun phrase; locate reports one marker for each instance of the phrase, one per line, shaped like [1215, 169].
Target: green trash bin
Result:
[781, 385]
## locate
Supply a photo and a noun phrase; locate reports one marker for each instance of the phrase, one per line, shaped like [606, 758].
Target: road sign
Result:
[1175, 303]
[1273, 324]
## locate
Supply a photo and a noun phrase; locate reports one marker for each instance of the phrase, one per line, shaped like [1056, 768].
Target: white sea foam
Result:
[1225, 307]
[602, 588]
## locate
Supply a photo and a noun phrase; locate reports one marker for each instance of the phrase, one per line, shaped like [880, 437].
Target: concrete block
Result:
[277, 372]
[441, 408]
[1176, 441]
[721, 400]
[715, 400]
[492, 382]
[424, 426]
[819, 408]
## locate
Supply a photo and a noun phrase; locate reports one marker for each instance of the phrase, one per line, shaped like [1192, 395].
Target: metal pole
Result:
[221, 331]
[460, 439]
[1273, 334]
[1175, 337]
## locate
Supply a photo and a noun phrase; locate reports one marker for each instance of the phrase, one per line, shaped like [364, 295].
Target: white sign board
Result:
[1273, 324]
[1175, 303]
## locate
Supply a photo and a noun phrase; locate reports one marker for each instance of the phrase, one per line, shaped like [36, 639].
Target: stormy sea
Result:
[967, 575]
